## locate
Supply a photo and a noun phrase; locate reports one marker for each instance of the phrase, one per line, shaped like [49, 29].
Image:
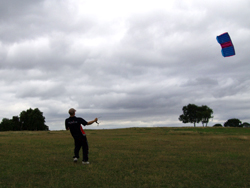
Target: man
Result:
[73, 124]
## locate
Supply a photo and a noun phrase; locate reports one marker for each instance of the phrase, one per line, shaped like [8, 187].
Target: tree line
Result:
[234, 122]
[196, 114]
[31, 119]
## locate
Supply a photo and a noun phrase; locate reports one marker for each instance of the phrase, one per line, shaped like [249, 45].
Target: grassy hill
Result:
[133, 157]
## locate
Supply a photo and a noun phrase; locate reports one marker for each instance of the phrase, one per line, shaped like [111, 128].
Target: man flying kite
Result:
[74, 124]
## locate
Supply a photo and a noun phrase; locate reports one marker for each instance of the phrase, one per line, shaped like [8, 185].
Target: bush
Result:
[217, 125]
[233, 123]
[245, 124]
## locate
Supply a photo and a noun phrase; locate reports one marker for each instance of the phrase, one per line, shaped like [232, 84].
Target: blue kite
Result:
[226, 44]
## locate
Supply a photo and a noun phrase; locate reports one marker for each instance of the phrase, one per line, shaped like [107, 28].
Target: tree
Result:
[5, 125]
[190, 114]
[195, 114]
[233, 123]
[245, 124]
[29, 120]
[10, 124]
[16, 123]
[32, 120]
[205, 114]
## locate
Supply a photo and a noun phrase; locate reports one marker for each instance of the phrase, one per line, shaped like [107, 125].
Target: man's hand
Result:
[96, 120]
[91, 122]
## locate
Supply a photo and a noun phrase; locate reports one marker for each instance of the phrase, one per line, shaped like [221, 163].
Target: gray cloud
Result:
[132, 67]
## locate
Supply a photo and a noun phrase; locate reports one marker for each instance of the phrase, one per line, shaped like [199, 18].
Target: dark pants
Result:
[81, 143]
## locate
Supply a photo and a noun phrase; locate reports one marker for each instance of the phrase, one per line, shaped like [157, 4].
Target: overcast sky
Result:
[131, 62]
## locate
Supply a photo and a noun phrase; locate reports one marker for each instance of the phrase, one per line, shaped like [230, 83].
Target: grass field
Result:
[133, 157]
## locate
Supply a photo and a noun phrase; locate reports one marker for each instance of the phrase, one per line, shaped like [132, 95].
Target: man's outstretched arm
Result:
[93, 121]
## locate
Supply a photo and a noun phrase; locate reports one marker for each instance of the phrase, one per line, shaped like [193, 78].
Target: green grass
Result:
[134, 157]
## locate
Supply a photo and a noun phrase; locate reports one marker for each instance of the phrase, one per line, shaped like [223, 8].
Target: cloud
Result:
[134, 63]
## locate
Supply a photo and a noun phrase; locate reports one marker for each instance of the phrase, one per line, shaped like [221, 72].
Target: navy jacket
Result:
[74, 125]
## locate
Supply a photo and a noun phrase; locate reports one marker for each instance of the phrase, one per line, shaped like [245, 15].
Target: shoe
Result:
[85, 162]
[75, 160]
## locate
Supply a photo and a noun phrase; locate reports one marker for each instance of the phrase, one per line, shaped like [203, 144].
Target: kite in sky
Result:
[226, 44]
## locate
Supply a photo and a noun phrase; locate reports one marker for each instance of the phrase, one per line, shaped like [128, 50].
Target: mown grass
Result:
[134, 157]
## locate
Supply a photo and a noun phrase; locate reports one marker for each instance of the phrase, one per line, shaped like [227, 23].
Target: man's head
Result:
[72, 111]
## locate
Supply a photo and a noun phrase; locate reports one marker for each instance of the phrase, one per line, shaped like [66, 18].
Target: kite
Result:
[226, 44]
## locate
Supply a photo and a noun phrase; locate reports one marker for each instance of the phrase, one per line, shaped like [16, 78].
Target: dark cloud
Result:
[132, 68]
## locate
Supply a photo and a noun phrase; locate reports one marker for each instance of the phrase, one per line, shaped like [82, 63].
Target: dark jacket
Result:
[74, 125]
